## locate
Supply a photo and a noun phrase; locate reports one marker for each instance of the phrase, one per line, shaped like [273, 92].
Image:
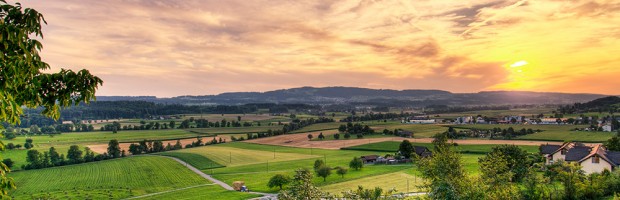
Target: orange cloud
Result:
[169, 48]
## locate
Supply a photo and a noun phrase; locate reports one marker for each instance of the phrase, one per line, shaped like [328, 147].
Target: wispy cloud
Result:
[168, 48]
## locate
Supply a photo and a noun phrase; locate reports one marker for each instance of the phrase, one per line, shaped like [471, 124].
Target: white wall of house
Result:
[558, 156]
[590, 167]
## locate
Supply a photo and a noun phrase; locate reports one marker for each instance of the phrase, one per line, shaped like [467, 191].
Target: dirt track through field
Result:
[301, 140]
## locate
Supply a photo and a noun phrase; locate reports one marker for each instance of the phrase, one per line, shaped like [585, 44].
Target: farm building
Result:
[369, 158]
[591, 158]
[403, 133]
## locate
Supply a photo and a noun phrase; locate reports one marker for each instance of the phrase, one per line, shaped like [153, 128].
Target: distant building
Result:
[369, 158]
[606, 128]
[422, 121]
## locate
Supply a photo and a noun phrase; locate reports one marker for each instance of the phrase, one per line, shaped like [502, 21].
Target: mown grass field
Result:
[233, 130]
[115, 179]
[196, 160]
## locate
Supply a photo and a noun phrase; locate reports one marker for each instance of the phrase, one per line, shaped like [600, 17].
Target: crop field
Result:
[119, 178]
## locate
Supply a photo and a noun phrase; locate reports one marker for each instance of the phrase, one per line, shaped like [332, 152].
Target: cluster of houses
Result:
[591, 158]
[390, 159]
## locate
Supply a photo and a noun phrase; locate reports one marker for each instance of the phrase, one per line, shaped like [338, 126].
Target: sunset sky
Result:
[183, 47]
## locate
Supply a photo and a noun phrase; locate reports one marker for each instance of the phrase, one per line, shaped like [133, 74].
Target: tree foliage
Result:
[278, 180]
[356, 163]
[301, 187]
[324, 171]
[22, 83]
[406, 149]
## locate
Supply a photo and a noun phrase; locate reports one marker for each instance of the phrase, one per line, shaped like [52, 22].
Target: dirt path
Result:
[301, 140]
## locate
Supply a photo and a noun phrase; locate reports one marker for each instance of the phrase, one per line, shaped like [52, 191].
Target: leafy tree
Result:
[571, 175]
[342, 128]
[23, 84]
[613, 144]
[356, 163]
[74, 155]
[444, 173]
[114, 150]
[28, 144]
[318, 163]
[89, 155]
[347, 136]
[497, 176]
[33, 157]
[301, 187]
[515, 157]
[406, 149]
[54, 157]
[324, 171]
[337, 136]
[278, 180]
[321, 136]
[310, 136]
[178, 145]
[158, 146]
[135, 149]
[9, 135]
[8, 162]
[341, 171]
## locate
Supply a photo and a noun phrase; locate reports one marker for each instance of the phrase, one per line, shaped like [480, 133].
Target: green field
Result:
[401, 181]
[392, 146]
[196, 160]
[119, 178]
[549, 132]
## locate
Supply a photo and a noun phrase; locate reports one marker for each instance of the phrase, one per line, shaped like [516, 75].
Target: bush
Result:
[337, 136]
[10, 146]
[8, 162]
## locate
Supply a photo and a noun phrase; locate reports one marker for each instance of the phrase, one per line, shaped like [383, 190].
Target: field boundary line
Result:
[168, 191]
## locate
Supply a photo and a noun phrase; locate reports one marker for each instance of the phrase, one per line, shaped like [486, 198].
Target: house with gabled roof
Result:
[591, 158]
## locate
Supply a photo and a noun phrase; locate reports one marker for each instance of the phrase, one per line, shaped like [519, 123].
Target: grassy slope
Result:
[196, 160]
[120, 178]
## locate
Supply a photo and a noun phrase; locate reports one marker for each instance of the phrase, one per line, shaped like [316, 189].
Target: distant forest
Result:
[144, 109]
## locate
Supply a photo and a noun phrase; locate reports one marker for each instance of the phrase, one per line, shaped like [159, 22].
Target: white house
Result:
[592, 159]
[606, 128]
